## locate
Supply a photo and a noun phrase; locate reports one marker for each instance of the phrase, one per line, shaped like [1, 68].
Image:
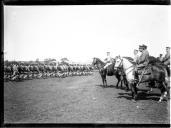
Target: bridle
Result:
[97, 63]
[121, 66]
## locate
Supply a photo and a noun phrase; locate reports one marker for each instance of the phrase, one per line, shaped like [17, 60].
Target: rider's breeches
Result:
[135, 73]
[107, 65]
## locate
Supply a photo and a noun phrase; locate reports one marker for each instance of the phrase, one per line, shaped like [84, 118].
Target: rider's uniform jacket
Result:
[166, 59]
[136, 58]
[144, 58]
[108, 59]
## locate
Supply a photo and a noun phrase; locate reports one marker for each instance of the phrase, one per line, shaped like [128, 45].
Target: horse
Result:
[109, 71]
[155, 73]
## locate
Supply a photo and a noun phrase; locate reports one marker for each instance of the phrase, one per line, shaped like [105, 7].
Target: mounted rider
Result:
[142, 61]
[144, 57]
[108, 60]
[160, 58]
[136, 56]
[166, 59]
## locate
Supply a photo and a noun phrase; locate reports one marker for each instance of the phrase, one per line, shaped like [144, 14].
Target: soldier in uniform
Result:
[108, 60]
[160, 58]
[136, 56]
[15, 71]
[142, 61]
[166, 59]
[144, 57]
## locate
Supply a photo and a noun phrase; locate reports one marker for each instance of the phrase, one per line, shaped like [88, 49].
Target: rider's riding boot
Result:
[136, 76]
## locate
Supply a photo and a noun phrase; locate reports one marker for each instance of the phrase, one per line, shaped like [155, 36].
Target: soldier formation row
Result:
[36, 71]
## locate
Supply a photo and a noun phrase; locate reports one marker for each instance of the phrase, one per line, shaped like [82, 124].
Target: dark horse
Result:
[109, 71]
[154, 72]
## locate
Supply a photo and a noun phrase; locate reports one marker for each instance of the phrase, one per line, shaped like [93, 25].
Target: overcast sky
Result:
[83, 32]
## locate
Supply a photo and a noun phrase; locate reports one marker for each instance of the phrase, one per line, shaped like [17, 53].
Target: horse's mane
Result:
[99, 59]
[130, 59]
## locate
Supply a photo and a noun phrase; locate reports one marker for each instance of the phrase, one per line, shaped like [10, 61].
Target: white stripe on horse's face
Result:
[118, 63]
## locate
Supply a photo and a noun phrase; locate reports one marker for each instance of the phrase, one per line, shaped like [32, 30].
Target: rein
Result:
[99, 62]
[126, 68]
[129, 67]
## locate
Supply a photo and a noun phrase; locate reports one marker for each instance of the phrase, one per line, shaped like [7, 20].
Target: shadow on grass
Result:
[141, 96]
[112, 86]
[104, 86]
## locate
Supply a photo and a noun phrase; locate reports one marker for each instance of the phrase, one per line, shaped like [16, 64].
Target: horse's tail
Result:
[166, 71]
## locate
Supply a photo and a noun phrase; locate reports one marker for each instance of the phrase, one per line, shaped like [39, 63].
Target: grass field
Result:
[80, 99]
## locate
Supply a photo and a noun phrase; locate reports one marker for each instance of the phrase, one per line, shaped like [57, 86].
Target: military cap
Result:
[140, 46]
[144, 46]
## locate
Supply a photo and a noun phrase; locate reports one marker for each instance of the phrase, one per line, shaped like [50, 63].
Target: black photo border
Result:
[63, 3]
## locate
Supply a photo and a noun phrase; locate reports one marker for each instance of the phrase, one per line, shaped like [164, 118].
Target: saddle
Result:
[144, 70]
[109, 70]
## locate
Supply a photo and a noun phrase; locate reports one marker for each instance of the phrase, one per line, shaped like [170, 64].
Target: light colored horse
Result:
[128, 66]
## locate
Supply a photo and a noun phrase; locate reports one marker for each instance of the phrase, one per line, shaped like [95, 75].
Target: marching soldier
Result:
[15, 71]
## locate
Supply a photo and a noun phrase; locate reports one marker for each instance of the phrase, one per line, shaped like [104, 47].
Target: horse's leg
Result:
[134, 91]
[102, 79]
[166, 90]
[167, 84]
[105, 80]
[121, 79]
[151, 84]
[117, 82]
[126, 83]
[136, 94]
[163, 91]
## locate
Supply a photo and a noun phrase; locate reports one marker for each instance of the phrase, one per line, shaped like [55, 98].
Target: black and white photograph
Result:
[98, 64]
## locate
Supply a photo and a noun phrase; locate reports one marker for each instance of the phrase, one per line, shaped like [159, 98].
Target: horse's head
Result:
[113, 60]
[118, 62]
[94, 61]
